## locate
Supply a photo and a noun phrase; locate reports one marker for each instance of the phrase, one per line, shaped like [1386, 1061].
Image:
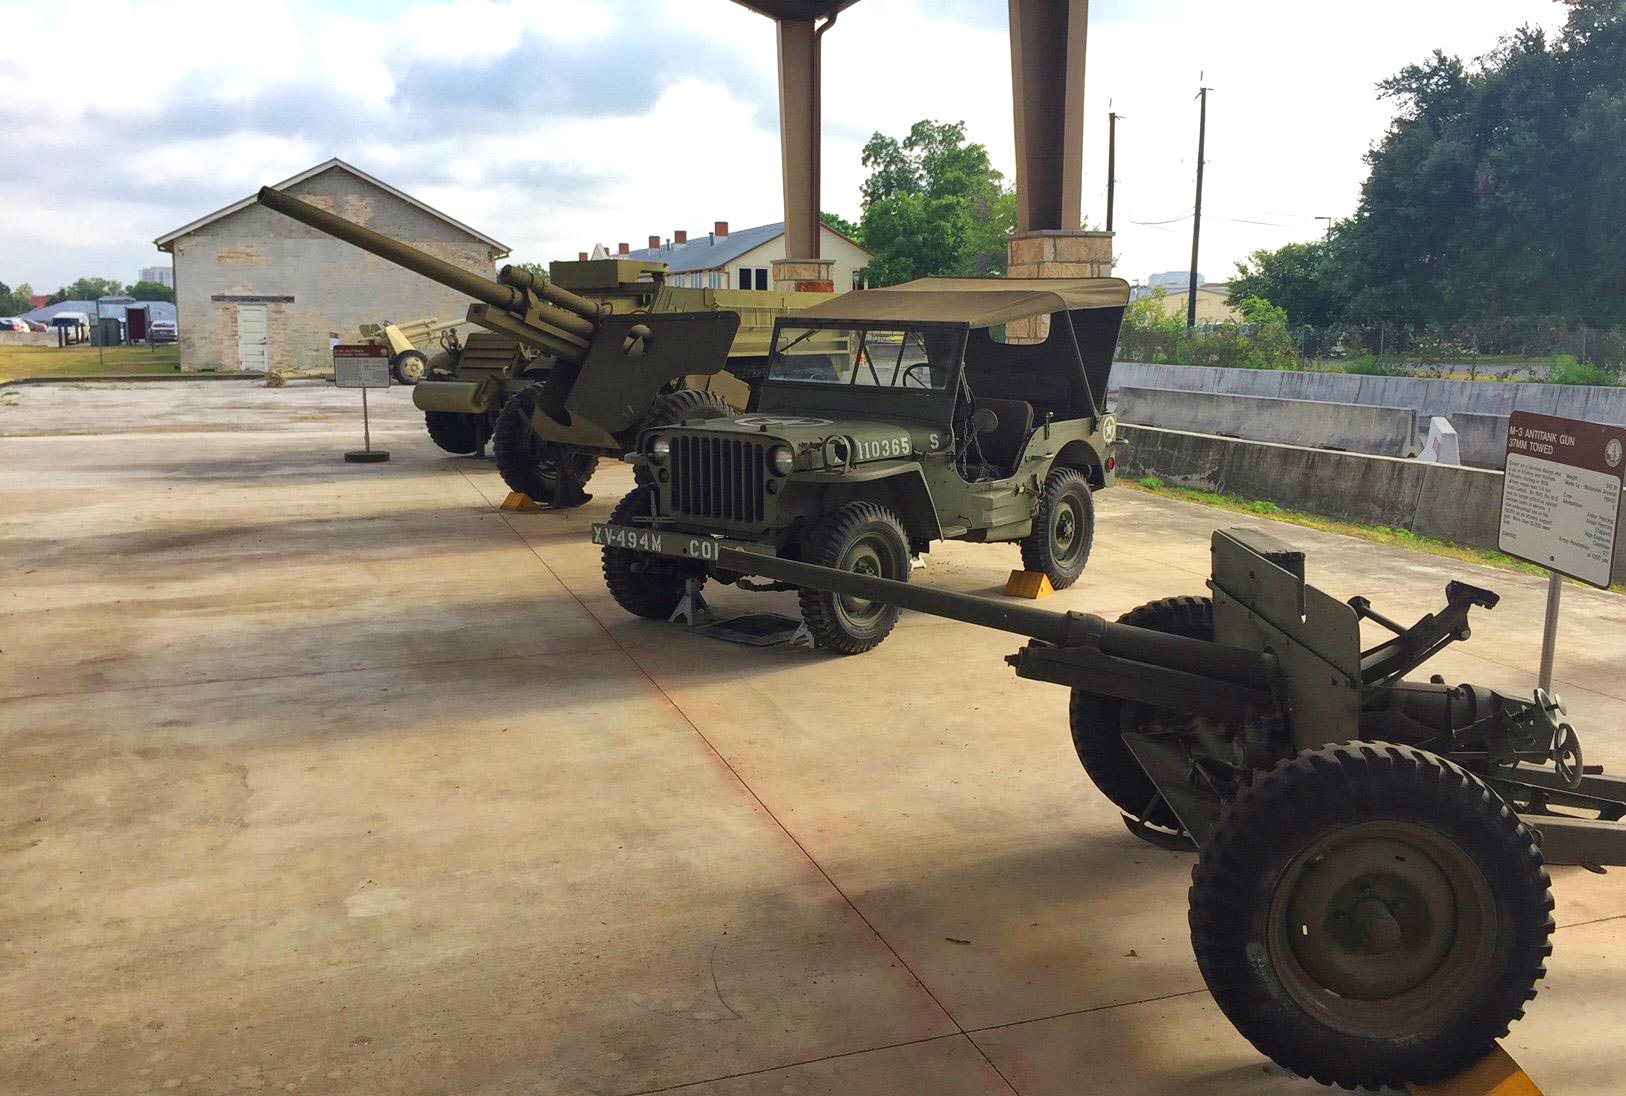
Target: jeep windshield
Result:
[911, 358]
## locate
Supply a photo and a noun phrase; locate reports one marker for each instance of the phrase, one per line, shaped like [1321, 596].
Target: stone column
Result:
[804, 275]
[1055, 253]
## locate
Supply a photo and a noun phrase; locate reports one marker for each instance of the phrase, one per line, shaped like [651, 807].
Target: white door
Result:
[253, 338]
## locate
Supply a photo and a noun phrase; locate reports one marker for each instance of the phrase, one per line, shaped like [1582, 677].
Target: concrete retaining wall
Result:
[1483, 438]
[1426, 396]
[1454, 503]
[1359, 428]
[28, 338]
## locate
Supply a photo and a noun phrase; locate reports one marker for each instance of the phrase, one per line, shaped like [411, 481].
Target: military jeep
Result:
[889, 419]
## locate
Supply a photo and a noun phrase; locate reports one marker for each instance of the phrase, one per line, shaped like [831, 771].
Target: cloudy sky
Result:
[552, 124]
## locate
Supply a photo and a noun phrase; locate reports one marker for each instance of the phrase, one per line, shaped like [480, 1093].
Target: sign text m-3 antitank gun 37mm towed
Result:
[570, 369]
[1370, 904]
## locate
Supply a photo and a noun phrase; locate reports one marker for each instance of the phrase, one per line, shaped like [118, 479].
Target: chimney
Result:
[622, 249]
[581, 256]
[720, 228]
[680, 236]
[654, 243]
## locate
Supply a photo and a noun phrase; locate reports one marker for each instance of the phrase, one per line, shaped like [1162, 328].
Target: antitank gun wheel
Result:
[410, 366]
[868, 539]
[456, 432]
[1099, 722]
[644, 585]
[1063, 529]
[526, 462]
[1370, 914]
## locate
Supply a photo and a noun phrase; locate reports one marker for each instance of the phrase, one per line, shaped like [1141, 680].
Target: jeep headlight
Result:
[781, 460]
[659, 449]
[1109, 428]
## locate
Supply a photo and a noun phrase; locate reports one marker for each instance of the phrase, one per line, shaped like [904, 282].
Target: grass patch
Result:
[1380, 534]
[17, 362]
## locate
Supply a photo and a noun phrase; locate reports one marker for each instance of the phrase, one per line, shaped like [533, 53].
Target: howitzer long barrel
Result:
[502, 296]
[1196, 656]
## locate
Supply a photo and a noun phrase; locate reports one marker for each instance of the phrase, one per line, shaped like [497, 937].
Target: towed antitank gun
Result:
[1370, 904]
[558, 378]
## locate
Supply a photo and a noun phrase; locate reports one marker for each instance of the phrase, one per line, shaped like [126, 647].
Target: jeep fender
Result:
[1082, 455]
[899, 487]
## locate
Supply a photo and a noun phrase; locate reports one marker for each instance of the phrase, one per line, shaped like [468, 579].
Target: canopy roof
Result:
[980, 302]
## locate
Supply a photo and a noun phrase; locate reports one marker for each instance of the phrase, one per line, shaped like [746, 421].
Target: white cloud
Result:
[556, 124]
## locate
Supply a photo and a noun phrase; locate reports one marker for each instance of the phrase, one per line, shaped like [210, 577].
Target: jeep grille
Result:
[719, 478]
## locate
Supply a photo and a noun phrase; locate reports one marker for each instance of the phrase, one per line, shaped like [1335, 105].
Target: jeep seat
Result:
[1002, 445]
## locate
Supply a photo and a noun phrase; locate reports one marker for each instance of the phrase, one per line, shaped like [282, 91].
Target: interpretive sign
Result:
[361, 365]
[1561, 494]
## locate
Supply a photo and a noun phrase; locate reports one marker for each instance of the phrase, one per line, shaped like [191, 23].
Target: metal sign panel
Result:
[1561, 494]
[361, 365]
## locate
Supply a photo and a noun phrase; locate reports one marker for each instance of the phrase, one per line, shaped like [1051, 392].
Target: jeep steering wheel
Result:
[909, 371]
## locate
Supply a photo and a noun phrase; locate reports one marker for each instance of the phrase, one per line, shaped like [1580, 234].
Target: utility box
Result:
[107, 331]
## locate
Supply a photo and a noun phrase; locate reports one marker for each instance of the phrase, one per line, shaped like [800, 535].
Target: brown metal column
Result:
[799, 135]
[1047, 84]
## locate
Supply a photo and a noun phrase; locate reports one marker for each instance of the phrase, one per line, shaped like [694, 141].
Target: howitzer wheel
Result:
[526, 462]
[1369, 914]
[1099, 722]
[644, 585]
[457, 432]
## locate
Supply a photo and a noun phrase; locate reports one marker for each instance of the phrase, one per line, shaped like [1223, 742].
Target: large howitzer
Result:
[558, 377]
[1369, 906]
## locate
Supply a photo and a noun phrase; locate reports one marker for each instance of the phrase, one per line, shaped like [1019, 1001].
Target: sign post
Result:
[1560, 503]
[363, 366]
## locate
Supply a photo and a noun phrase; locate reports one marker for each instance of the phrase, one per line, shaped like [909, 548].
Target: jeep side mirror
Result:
[984, 421]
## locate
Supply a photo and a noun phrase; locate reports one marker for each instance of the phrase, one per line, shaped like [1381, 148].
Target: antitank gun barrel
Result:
[529, 309]
[1235, 666]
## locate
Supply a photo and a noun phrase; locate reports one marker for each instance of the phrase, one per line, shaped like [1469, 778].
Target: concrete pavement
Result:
[332, 778]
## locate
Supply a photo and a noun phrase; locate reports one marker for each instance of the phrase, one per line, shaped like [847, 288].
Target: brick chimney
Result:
[622, 249]
[581, 256]
[654, 243]
[680, 236]
[721, 229]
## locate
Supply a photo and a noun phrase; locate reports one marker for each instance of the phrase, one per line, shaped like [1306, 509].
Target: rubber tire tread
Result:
[1036, 548]
[825, 547]
[653, 595]
[1095, 719]
[510, 449]
[1274, 817]
[454, 431]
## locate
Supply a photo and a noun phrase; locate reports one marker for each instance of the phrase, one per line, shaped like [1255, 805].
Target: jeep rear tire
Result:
[1063, 529]
[867, 539]
[644, 585]
[526, 463]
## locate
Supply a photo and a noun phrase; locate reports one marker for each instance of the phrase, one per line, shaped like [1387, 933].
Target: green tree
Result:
[150, 291]
[88, 289]
[1495, 194]
[838, 223]
[14, 302]
[539, 270]
[1302, 279]
[933, 205]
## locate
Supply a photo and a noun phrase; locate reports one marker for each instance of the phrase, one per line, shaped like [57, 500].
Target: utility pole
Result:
[1197, 212]
[1112, 163]
[1329, 225]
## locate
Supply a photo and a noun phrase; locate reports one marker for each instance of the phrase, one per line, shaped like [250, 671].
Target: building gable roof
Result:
[710, 252]
[163, 242]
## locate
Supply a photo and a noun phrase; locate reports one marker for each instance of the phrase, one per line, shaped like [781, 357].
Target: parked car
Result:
[35, 325]
[162, 331]
[12, 323]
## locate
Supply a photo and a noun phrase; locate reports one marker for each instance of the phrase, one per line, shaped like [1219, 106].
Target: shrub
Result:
[1574, 372]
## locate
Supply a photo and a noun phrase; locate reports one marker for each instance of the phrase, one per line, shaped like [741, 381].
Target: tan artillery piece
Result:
[558, 378]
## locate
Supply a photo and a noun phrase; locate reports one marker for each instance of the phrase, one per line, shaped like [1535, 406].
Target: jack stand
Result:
[692, 610]
[480, 453]
[917, 563]
[803, 638]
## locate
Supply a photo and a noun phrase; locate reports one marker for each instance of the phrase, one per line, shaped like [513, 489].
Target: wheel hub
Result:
[863, 559]
[1382, 926]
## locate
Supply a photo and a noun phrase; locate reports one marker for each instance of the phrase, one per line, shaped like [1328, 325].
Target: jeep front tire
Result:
[866, 539]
